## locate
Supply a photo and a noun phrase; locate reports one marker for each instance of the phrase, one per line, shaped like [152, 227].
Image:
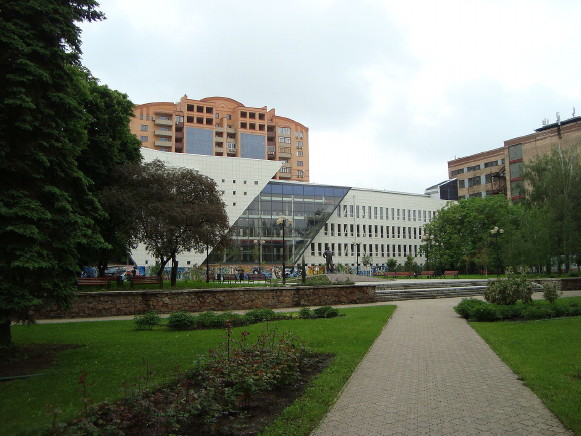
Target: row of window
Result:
[252, 126]
[356, 211]
[288, 170]
[251, 115]
[244, 181]
[283, 139]
[372, 231]
[489, 164]
[373, 250]
[199, 109]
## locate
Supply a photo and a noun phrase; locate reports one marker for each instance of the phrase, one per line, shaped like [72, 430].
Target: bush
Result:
[213, 320]
[550, 292]
[325, 312]
[534, 311]
[182, 321]
[485, 312]
[467, 306]
[510, 290]
[318, 280]
[258, 315]
[147, 321]
[306, 313]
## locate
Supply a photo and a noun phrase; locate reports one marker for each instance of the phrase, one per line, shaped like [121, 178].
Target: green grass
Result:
[546, 354]
[116, 356]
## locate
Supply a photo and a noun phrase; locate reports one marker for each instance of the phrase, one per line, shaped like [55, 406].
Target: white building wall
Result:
[390, 226]
[239, 180]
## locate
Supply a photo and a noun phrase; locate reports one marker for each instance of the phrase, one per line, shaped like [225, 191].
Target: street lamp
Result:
[283, 222]
[258, 245]
[357, 245]
[495, 232]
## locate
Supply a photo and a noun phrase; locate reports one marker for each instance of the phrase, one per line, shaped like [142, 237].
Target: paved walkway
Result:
[430, 373]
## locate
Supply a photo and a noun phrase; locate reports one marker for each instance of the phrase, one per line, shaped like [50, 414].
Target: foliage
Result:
[545, 355]
[47, 211]
[147, 321]
[411, 265]
[478, 310]
[510, 290]
[218, 387]
[552, 189]
[391, 265]
[258, 315]
[366, 260]
[181, 210]
[182, 321]
[325, 312]
[319, 280]
[550, 292]
[458, 238]
[105, 344]
[306, 313]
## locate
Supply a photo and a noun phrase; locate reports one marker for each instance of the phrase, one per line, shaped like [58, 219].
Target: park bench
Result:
[451, 274]
[404, 274]
[230, 277]
[94, 281]
[258, 276]
[428, 274]
[146, 280]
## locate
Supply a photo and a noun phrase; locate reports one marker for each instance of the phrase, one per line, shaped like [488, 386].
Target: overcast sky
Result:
[408, 84]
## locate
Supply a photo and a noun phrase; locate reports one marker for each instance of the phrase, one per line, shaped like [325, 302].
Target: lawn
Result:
[115, 357]
[546, 354]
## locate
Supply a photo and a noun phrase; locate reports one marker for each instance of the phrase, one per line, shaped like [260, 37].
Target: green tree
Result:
[46, 207]
[176, 210]
[552, 187]
[459, 235]
[110, 145]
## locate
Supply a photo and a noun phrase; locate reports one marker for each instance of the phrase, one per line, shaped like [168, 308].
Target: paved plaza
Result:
[430, 373]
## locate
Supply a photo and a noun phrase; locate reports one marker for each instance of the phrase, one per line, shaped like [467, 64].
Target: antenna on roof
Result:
[573, 111]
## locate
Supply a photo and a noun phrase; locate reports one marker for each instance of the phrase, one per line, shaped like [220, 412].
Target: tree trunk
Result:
[5, 334]
[174, 271]
[162, 263]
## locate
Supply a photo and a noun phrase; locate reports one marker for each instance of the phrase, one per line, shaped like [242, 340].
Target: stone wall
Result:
[115, 303]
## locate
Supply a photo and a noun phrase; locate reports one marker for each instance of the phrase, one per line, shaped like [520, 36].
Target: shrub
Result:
[510, 290]
[182, 321]
[466, 306]
[306, 313]
[550, 292]
[534, 311]
[318, 280]
[325, 312]
[484, 312]
[258, 315]
[218, 320]
[510, 311]
[147, 321]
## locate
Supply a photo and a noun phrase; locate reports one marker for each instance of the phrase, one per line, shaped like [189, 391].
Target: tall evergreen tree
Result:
[46, 208]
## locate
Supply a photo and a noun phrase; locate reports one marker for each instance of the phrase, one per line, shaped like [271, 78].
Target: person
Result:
[328, 255]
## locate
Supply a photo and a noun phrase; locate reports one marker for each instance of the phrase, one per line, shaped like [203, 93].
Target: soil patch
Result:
[25, 360]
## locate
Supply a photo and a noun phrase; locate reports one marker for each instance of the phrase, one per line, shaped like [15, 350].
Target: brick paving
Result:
[430, 373]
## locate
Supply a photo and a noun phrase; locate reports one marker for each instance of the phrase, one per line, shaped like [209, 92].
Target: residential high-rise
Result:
[219, 126]
[500, 171]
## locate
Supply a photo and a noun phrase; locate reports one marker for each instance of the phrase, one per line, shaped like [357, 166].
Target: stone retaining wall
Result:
[115, 303]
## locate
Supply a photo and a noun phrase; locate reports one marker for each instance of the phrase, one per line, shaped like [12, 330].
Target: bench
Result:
[146, 280]
[94, 281]
[230, 277]
[258, 276]
[403, 274]
[428, 274]
[451, 274]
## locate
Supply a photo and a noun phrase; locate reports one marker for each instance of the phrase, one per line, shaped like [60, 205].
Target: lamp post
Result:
[283, 222]
[495, 232]
[258, 245]
[357, 245]
[207, 265]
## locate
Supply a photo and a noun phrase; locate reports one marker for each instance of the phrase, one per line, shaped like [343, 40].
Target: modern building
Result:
[350, 222]
[500, 171]
[219, 126]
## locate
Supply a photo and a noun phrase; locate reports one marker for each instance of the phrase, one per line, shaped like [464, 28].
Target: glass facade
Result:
[308, 206]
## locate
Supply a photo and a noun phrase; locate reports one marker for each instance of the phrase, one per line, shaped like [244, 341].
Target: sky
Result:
[408, 84]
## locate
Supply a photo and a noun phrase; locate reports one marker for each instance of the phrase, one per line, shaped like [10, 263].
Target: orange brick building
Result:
[219, 126]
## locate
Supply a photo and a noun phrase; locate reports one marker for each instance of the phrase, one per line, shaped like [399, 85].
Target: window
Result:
[243, 114]
[460, 171]
[284, 130]
[229, 116]
[490, 164]
[461, 184]
[515, 152]
[141, 116]
[147, 117]
[299, 144]
[300, 174]
[144, 127]
[299, 153]
[287, 140]
[285, 170]
[516, 170]
[217, 116]
[144, 138]
[299, 163]
[281, 139]
[473, 168]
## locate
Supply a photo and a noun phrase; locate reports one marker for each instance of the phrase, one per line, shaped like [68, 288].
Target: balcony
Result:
[179, 135]
[167, 144]
[179, 147]
[284, 175]
[285, 154]
[219, 145]
[160, 122]
[230, 130]
[218, 139]
[219, 129]
[168, 133]
[271, 135]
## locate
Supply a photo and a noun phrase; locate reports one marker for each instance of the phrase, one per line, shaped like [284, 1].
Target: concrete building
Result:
[350, 222]
[219, 126]
[499, 171]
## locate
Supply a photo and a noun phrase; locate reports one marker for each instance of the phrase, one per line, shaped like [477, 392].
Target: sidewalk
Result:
[430, 373]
